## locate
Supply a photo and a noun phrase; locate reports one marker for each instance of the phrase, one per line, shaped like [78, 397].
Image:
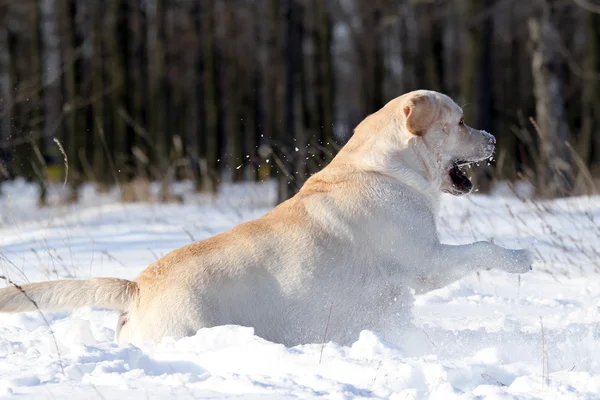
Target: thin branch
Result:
[66, 160]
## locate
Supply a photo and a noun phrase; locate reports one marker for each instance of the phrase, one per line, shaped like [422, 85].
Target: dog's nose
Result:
[490, 137]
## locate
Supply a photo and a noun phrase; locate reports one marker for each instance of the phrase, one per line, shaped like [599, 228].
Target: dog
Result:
[347, 251]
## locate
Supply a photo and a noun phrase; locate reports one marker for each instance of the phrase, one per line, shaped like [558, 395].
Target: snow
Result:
[480, 337]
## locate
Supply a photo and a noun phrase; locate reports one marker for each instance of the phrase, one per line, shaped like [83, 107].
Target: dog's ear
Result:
[420, 111]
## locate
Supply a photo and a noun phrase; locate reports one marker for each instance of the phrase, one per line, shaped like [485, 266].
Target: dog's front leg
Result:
[452, 263]
[485, 255]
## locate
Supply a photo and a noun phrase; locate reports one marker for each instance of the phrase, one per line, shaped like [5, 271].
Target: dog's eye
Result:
[462, 121]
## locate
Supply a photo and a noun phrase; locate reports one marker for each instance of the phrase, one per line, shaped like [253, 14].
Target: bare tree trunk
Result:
[74, 129]
[51, 81]
[211, 99]
[177, 61]
[193, 107]
[6, 93]
[301, 109]
[272, 73]
[477, 88]
[119, 87]
[14, 108]
[410, 41]
[197, 115]
[258, 112]
[139, 77]
[429, 57]
[371, 56]
[286, 139]
[37, 109]
[589, 144]
[555, 175]
[505, 161]
[161, 96]
[233, 93]
[98, 89]
[324, 83]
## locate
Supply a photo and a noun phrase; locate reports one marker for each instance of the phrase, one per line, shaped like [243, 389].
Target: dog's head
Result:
[437, 123]
[422, 135]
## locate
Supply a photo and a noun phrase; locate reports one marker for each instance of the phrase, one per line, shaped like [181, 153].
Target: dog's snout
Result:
[488, 143]
[491, 138]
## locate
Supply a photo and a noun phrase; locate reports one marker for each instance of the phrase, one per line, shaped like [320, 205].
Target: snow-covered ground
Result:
[490, 335]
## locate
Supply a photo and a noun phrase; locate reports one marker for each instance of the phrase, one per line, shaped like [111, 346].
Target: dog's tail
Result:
[111, 293]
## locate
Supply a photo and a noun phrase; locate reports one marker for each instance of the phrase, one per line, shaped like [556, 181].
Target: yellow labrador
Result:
[353, 241]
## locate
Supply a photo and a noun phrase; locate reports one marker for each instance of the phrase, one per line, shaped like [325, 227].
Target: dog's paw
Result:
[519, 261]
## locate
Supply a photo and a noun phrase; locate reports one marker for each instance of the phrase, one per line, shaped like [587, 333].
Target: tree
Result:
[51, 93]
[370, 54]
[211, 98]
[75, 129]
[555, 174]
[232, 83]
[324, 84]
[589, 143]
[6, 93]
[286, 140]
[477, 87]
[37, 109]
[138, 78]
[99, 141]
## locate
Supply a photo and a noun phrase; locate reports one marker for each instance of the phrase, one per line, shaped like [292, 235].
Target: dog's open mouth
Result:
[460, 182]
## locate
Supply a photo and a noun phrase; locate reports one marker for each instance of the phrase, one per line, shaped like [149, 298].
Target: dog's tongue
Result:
[460, 180]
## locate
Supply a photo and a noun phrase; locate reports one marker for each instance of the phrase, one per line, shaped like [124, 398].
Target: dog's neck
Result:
[417, 170]
[407, 163]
